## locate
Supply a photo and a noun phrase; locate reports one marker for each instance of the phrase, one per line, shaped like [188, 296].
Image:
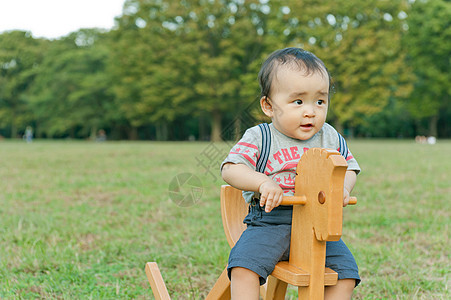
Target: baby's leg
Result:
[245, 284]
[340, 259]
[341, 291]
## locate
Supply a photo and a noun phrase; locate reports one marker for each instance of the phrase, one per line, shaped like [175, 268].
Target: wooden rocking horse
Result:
[317, 218]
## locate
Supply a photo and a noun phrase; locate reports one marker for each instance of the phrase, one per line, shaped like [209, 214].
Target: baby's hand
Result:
[271, 195]
[345, 197]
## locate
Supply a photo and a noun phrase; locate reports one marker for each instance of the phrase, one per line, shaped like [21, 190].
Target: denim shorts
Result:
[266, 241]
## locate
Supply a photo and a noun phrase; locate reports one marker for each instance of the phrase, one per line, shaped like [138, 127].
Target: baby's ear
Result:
[266, 106]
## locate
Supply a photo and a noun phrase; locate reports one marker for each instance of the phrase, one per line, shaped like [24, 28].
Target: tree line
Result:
[178, 70]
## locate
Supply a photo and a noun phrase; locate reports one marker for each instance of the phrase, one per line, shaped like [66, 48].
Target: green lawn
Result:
[79, 220]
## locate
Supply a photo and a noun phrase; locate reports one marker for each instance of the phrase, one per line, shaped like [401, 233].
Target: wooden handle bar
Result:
[301, 200]
[294, 200]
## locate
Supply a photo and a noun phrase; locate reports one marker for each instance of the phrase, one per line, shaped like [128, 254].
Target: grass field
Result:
[79, 220]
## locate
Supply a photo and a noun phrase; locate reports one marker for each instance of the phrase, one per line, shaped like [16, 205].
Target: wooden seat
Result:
[317, 218]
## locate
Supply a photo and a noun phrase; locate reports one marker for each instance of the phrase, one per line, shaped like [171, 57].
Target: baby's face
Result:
[299, 102]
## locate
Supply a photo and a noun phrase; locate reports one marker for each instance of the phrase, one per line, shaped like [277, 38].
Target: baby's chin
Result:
[305, 136]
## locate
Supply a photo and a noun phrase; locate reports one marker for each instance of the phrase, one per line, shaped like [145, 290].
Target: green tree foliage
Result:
[171, 69]
[71, 92]
[428, 44]
[191, 59]
[153, 70]
[20, 56]
[360, 42]
[228, 43]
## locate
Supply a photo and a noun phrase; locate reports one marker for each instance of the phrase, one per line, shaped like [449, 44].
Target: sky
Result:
[56, 18]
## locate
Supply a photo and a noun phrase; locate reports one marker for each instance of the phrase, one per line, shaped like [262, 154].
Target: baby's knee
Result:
[245, 284]
[342, 290]
[243, 274]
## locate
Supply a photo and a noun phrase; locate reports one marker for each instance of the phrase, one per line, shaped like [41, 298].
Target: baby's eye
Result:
[298, 102]
[321, 102]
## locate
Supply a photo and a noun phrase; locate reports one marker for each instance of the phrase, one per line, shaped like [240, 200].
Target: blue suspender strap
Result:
[266, 147]
[343, 146]
[261, 161]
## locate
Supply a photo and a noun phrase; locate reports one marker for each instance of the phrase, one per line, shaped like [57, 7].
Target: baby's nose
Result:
[309, 112]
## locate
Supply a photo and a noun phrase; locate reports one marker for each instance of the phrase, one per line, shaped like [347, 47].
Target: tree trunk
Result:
[38, 131]
[132, 133]
[162, 131]
[93, 135]
[13, 130]
[216, 126]
[72, 132]
[433, 121]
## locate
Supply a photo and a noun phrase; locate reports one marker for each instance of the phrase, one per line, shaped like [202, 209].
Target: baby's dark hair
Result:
[297, 57]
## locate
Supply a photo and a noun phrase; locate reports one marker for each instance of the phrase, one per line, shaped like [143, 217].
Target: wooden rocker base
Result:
[156, 281]
[277, 282]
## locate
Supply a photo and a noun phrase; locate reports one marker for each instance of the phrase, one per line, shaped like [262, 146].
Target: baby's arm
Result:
[350, 180]
[242, 177]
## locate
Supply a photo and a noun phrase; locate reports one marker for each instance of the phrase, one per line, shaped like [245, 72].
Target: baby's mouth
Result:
[307, 126]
